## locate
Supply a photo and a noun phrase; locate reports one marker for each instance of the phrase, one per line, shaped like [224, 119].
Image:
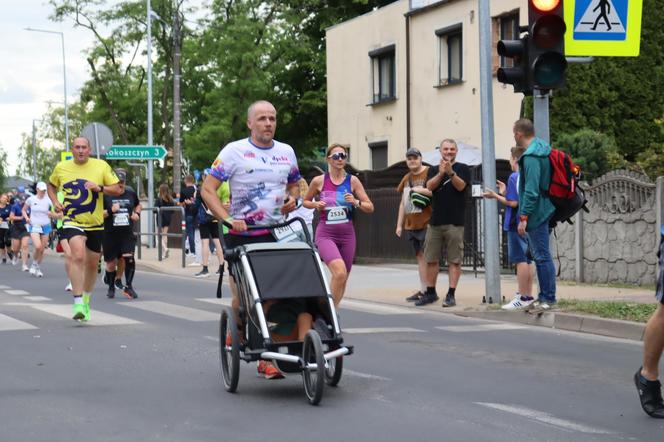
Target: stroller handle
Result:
[271, 227]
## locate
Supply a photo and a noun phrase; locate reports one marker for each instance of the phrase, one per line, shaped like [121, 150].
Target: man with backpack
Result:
[536, 208]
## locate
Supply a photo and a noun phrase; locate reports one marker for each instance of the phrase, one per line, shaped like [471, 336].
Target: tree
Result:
[3, 167]
[618, 96]
[595, 152]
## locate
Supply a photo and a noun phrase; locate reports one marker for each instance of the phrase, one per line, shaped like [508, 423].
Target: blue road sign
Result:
[601, 20]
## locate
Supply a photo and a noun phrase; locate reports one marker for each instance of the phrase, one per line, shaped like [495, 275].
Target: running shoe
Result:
[68, 287]
[33, 270]
[260, 367]
[86, 303]
[119, 285]
[14, 260]
[449, 301]
[414, 297]
[39, 273]
[4, 260]
[79, 312]
[427, 298]
[130, 293]
[26, 268]
[518, 302]
[202, 274]
[650, 395]
[321, 327]
[272, 372]
[110, 294]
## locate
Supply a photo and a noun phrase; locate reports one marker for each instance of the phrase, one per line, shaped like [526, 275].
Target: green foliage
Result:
[617, 96]
[3, 168]
[628, 311]
[596, 153]
[45, 158]
[650, 160]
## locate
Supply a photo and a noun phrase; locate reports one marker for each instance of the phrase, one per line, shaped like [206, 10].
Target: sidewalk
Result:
[392, 283]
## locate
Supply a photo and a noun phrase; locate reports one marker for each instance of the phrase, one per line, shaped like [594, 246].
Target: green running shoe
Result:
[79, 312]
[86, 302]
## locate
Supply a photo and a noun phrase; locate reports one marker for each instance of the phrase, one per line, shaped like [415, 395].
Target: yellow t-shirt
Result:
[83, 208]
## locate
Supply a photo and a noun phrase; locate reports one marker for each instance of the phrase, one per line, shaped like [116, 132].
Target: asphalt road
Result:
[148, 370]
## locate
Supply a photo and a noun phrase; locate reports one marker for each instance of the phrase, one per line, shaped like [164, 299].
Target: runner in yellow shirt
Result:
[83, 181]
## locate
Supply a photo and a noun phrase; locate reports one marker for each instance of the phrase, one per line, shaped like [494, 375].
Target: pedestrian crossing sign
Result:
[610, 28]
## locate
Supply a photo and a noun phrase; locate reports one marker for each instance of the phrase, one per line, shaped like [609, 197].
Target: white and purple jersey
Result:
[258, 178]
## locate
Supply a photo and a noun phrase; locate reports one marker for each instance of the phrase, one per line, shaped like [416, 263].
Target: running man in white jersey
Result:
[37, 214]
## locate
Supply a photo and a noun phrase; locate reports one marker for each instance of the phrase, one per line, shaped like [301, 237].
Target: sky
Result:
[31, 68]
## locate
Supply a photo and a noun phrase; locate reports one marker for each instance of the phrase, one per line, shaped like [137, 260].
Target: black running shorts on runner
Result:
[5, 240]
[117, 244]
[17, 230]
[209, 230]
[94, 237]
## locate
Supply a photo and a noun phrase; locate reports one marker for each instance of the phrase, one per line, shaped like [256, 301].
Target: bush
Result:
[595, 152]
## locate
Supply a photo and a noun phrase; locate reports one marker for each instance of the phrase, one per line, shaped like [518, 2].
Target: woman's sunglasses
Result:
[338, 156]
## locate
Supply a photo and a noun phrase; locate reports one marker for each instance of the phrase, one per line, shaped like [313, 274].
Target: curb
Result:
[614, 328]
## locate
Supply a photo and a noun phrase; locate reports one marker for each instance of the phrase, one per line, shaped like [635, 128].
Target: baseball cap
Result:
[121, 174]
[41, 185]
[21, 189]
[413, 152]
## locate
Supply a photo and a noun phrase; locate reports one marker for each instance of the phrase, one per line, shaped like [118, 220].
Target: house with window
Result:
[408, 75]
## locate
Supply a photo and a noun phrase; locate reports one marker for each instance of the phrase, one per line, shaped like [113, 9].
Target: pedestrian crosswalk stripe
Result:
[216, 301]
[17, 292]
[377, 309]
[481, 327]
[7, 323]
[175, 311]
[3, 287]
[371, 330]
[37, 298]
[65, 311]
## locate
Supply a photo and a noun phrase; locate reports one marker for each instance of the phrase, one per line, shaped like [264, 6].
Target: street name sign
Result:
[136, 152]
[603, 28]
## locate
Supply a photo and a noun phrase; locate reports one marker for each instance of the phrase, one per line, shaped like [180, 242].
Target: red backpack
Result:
[564, 190]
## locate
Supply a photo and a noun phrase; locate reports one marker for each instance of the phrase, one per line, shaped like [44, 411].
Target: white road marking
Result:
[37, 298]
[211, 338]
[370, 330]
[359, 374]
[377, 309]
[545, 418]
[481, 327]
[8, 323]
[97, 318]
[216, 301]
[3, 287]
[17, 292]
[175, 311]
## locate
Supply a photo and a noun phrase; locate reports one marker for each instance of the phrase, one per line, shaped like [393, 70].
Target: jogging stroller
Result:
[288, 272]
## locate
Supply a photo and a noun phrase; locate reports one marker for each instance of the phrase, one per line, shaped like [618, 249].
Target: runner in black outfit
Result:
[120, 213]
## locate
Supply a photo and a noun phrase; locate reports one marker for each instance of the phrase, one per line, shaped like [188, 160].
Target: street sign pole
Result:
[150, 143]
[491, 224]
[541, 114]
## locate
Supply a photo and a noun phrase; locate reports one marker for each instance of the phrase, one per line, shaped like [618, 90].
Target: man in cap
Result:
[120, 214]
[414, 213]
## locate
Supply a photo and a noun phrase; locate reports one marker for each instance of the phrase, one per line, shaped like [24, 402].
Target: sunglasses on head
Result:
[338, 156]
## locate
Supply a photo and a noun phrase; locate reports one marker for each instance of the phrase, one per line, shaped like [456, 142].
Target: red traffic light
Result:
[545, 5]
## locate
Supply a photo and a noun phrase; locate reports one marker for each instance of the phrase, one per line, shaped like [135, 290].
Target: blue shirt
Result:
[512, 194]
[17, 209]
[4, 213]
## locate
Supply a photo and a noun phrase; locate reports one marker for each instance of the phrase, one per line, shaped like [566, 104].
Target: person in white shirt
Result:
[37, 214]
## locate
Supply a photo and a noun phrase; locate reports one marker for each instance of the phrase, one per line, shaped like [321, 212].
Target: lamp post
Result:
[64, 75]
[151, 228]
[34, 150]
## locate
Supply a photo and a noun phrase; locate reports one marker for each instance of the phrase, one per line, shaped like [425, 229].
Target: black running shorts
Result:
[209, 230]
[94, 237]
[117, 244]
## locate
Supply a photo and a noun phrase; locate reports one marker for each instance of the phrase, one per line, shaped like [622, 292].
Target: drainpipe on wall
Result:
[408, 146]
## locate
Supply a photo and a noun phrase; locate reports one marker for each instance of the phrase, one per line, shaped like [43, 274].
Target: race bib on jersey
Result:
[4, 225]
[336, 215]
[120, 219]
[287, 233]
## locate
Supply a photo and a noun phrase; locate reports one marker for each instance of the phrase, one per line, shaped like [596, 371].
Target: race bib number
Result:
[287, 233]
[336, 215]
[4, 225]
[120, 219]
[36, 229]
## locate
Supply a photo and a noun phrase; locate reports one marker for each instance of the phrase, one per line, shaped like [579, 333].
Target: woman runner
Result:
[338, 196]
[5, 242]
[37, 213]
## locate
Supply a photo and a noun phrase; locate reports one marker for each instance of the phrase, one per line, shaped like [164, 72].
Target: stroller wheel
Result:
[333, 371]
[313, 373]
[229, 346]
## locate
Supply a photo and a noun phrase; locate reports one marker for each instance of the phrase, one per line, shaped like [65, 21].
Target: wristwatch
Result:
[101, 189]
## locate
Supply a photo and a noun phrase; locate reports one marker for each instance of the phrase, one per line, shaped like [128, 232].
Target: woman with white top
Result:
[37, 214]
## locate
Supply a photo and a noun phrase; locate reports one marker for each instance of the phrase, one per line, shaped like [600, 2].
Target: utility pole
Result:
[151, 229]
[177, 138]
[491, 225]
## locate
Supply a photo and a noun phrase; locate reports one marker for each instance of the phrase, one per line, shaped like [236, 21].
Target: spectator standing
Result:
[188, 201]
[448, 182]
[517, 245]
[413, 218]
[165, 200]
[208, 227]
[536, 209]
[646, 378]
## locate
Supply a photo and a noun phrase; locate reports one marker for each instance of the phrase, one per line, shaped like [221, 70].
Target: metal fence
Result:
[173, 233]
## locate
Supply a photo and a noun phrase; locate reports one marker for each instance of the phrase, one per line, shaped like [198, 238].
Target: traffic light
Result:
[518, 73]
[546, 51]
